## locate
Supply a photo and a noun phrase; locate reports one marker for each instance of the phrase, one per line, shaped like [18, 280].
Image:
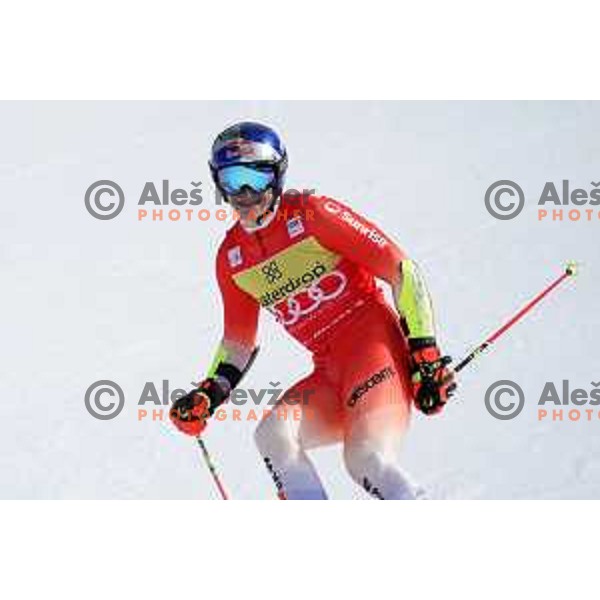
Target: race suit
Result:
[313, 265]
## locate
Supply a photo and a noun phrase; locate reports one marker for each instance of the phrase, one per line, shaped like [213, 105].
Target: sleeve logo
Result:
[295, 227]
[234, 256]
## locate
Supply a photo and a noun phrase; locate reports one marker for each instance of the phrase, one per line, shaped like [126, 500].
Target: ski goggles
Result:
[232, 180]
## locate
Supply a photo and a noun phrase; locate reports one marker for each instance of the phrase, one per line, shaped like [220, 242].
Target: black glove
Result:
[190, 412]
[433, 383]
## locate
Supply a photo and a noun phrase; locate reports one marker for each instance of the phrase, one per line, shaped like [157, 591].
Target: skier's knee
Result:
[377, 473]
[262, 435]
[273, 437]
[365, 465]
[356, 460]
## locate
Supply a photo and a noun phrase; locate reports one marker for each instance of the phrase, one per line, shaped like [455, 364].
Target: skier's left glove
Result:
[433, 383]
[191, 412]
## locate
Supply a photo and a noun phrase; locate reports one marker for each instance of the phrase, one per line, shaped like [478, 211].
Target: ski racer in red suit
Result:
[313, 262]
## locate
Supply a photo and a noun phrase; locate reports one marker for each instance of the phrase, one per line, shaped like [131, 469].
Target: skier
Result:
[312, 262]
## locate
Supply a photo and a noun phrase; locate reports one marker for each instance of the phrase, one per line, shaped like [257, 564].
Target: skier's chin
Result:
[246, 201]
[251, 206]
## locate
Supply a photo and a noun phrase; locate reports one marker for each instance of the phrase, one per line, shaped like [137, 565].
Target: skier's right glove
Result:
[191, 412]
[433, 383]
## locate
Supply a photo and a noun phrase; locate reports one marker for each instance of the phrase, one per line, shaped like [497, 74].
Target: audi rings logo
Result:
[500, 199]
[306, 301]
[504, 400]
[97, 403]
[104, 199]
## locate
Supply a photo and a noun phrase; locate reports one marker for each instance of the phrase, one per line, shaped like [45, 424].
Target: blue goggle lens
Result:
[233, 179]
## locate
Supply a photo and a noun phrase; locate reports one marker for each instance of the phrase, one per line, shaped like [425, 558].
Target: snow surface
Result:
[130, 301]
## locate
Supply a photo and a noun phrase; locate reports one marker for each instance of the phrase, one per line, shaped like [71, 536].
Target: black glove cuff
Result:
[229, 372]
[420, 343]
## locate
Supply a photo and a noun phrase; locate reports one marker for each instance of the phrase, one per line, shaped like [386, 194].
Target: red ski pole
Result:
[211, 468]
[205, 453]
[570, 271]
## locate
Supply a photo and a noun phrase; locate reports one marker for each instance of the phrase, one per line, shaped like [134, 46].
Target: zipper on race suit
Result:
[260, 244]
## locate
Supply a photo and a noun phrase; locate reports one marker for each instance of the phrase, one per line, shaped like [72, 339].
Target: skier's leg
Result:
[279, 442]
[371, 456]
[377, 399]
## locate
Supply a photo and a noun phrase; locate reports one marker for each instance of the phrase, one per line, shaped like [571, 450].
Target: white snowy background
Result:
[130, 301]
